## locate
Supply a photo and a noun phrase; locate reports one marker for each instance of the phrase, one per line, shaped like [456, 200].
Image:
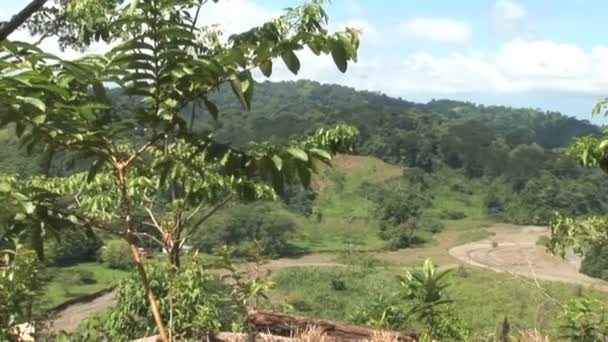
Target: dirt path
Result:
[69, 318]
[516, 252]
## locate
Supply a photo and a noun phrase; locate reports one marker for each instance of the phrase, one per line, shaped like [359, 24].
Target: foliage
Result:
[584, 321]
[189, 294]
[481, 298]
[146, 157]
[249, 228]
[18, 286]
[399, 206]
[425, 288]
[74, 246]
[595, 262]
[383, 312]
[193, 301]
[116, 255]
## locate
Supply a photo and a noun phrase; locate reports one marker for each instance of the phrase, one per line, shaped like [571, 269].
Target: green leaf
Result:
[28, 207]
[34, 102]
[321, 153]
[243, 86]
[304, 175]
[212, 108]
[39, 119]
[291, 61]
[298, 153]
[5, 187]
[338, 53]
[266, 68]
[237, 89]
[278, 162]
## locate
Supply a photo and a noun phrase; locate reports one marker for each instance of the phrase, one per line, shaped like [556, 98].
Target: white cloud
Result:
[511, 19]
[519, 66]
[436, 29]
[235, 16]
[509, 10]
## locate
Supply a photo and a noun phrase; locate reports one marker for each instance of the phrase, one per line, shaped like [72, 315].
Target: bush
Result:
[431, 224]
[338, 285]
[254, 229]
[452, 215]
[74, 246]
[596, 261]
[383, 312]
[117, 254]
[201, 304]
[84, 277]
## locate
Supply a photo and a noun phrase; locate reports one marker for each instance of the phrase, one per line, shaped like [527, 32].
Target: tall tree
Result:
[165, 62]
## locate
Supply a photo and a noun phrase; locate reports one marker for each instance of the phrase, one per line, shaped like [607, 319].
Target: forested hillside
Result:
[517, 153]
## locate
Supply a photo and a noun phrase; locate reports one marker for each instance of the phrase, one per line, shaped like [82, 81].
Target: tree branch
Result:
[211, 212]
[18, 19]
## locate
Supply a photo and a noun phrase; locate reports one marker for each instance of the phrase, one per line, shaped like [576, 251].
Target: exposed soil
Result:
[514, 250]
[69, 318]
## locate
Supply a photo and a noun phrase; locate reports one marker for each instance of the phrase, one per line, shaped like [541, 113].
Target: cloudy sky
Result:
[548, 54]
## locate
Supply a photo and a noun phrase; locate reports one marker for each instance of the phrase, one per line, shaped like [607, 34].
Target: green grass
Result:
[61, 287]
[347, 215]
[345, 211]
[473, 235]
[482, 298]
[446, 198]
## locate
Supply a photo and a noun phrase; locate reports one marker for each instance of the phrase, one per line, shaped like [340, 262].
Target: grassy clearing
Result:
[345, 210]
[64, 286]
[483, 299]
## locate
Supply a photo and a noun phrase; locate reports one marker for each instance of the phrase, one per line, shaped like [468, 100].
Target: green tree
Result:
[252, 229]
[147, 158]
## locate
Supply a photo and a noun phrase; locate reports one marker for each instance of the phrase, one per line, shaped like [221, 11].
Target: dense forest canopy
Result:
[519, 152]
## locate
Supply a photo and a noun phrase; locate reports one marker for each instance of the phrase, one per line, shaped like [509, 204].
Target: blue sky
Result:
[548, 54]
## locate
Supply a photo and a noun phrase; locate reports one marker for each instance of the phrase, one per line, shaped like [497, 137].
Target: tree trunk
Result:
[175, 255]
[18, 19]
[288, 326]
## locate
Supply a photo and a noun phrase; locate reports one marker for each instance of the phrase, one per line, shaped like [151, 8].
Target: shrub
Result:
[596, 261]
[431, 224]
[116, 254]
[338, 285]
[201, 304]
[254, 229]
[74, 246]
[85, 277]
[383, 312]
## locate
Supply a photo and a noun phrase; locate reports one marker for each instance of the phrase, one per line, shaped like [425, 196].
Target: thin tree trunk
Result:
[120, 170]
[18, 19]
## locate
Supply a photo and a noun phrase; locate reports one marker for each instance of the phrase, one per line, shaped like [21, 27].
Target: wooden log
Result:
[289, 326]
[278, 327]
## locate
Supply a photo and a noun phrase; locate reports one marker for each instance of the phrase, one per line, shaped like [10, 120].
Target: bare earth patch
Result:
[514, 250]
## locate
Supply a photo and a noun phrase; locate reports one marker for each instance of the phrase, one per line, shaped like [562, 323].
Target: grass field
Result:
[64, 285]
[482, 299]
[347, 214]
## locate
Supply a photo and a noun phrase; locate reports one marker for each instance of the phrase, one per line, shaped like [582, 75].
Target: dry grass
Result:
[316, 334]
[532, 336]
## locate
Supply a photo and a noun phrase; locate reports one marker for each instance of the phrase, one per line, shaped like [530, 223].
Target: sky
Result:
[546, 54]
